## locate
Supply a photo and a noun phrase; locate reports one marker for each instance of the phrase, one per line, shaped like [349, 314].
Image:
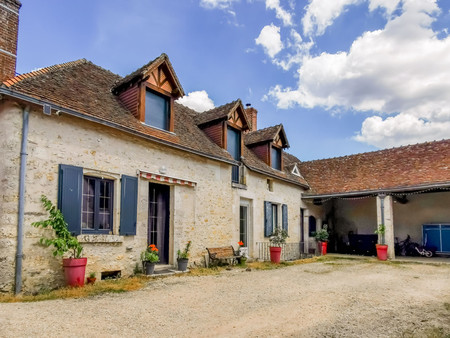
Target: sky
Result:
[342, 76]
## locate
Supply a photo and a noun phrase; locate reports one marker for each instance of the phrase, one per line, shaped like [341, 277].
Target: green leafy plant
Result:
[381, 230]
[185, 253]
[63, 241]
[278, 237]
[92, 275]
[151, 254]
[322, 234]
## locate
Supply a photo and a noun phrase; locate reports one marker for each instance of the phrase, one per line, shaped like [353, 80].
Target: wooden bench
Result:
[224, 254]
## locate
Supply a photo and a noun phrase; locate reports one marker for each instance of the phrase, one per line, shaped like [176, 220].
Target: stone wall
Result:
[202, 214]
[255, 194]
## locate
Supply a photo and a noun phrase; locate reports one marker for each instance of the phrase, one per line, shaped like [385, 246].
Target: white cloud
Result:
[321, 13]
[402, 129]
[269, 38]
[402, 70]
[280, 13]
[389, 5]
[198, 101]
[213, 4]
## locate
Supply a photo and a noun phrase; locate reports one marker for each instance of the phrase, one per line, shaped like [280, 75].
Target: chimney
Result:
[9, 29]
[252, 115]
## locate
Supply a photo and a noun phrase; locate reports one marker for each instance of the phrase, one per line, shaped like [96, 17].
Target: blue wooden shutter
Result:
[128, 206]
[267, 219]
[70, 195]
[284, 216]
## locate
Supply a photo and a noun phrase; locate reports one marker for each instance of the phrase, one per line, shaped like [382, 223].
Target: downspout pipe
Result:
[23, 167]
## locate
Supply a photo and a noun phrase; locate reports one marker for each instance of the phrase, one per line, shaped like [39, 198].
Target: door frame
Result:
[248, 204]
[168, 221]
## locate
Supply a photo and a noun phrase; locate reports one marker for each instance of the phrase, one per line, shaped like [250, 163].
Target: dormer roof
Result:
[166, 74]
[274, 134]
[225, 112]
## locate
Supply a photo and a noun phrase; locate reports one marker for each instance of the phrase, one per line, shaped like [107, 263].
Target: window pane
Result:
[156, 110]
[243, 225]
[97, 204]
[234, 143]
[276, 158]
[274, 216]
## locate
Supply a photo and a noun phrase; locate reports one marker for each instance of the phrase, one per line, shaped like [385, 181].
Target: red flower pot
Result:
[275, 254]
[74, 270]
[381, 251]
[324, 247]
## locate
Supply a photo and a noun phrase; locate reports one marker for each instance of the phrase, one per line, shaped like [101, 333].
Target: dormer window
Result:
[275, 158]
[234, 148]
[157, 110]
[149, 92]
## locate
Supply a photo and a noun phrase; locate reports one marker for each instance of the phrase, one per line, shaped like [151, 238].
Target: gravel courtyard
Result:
[339, 298]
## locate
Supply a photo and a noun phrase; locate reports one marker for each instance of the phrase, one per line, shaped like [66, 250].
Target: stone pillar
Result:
[385, 215]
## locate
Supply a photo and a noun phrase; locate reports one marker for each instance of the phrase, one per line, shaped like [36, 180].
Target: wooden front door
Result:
[158, 219]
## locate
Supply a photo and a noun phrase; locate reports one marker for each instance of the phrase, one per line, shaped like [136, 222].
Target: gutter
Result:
[23, 167]
[111, 125]
[380, 191]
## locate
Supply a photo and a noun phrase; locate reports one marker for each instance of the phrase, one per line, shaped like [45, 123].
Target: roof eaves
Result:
[272, 175]
[33, 100]
[379, 191]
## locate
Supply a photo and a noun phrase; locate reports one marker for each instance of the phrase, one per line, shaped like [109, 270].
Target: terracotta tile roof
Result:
[265, 135]
[139, 73]
[216, 113]
[86, 88]
[410, 166]
[253, 162]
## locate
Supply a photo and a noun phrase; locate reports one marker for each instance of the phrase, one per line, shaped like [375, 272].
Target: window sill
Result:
[159, 129]
[239, 186]
[100, 238]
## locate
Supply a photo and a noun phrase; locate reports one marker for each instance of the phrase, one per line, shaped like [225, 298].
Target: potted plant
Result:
[183, 257]
[381, 246]
[91, 279]
[149, 258]
[321, 237]
[277, 239]
[242, 251]
[63, 242]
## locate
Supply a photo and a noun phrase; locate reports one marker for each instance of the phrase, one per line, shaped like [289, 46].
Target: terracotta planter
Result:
[381, 251]
[91, 280]
[323, 246]
[74, 270]
[275, 254]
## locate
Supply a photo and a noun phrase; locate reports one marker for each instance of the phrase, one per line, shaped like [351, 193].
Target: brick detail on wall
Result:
[9, 25]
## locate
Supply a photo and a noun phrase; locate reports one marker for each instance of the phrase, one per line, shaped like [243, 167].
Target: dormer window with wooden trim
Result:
[149, 93]
[225, 125]
[268, 145]
[157, 110]
[275, 157]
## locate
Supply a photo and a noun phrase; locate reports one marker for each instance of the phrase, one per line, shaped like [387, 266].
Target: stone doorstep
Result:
[166, 270]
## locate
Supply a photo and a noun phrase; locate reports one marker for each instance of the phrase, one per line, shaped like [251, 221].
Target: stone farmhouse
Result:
[129, 166]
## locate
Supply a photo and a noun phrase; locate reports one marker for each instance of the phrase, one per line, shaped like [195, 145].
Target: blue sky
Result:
[342, 76]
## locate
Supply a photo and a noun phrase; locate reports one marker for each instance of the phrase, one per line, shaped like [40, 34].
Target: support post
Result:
[385, 215]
